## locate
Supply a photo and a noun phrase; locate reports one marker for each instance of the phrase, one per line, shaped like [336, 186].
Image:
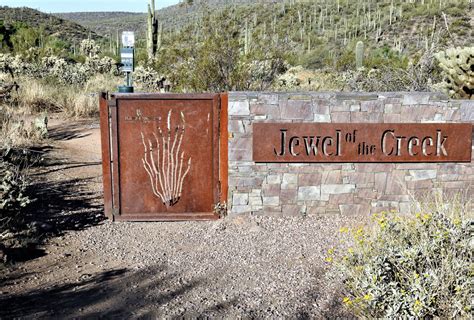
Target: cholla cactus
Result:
[100, 65]
[458, 67]
[12, 64]
[5, 60]
[56, 67]
[148, 78]
[89, 48]
[66, 73]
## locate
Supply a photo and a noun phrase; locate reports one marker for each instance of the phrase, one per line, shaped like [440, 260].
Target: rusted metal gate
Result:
[164, 156]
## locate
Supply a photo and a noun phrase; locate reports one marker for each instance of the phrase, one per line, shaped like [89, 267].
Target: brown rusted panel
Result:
[161, 96]
[358, 142]
[224, 148]
[168, 156]
[105, 143]
[141, 217]
[115, 157]
[215, 143]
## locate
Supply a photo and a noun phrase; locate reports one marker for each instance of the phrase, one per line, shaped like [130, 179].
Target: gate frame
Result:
[110, 154]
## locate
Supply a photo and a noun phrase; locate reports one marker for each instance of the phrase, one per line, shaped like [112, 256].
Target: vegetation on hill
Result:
[316, 40]
[50, 25]
[364, 45]
[173, 17]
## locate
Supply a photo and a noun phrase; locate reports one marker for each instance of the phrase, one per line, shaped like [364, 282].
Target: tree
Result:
[24, 39]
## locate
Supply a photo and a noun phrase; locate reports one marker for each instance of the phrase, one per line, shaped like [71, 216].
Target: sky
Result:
[86, 5]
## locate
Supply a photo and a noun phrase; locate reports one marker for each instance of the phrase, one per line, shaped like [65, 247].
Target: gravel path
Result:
[244, 267]
[238, 267]
[250, 267]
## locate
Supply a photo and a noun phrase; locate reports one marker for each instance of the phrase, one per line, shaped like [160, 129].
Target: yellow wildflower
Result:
[367, 297]
[350, 250]
[347, 301]
[344, 230]
[329, 259]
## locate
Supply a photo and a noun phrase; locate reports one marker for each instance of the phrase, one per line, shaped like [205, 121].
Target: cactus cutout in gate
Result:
[166, 176]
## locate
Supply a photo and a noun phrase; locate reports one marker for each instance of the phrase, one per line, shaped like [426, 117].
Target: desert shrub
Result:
[386, 56]
[419, 75]
[458, 71]
[13, 199]
[15, 136]
[290, 79]
[411, 266]
[316, 59]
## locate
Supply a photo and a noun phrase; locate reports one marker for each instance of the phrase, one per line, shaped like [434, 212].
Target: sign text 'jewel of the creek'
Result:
[357, 142]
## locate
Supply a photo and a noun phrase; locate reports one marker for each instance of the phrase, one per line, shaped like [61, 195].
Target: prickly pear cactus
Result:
[458, 68]
[359, 55]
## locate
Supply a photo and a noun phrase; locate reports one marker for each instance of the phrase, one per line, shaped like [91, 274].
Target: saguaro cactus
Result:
[152, 31]
[359, 55]
[247, 38]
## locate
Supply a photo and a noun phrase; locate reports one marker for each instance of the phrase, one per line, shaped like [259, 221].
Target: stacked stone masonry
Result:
[349, 188]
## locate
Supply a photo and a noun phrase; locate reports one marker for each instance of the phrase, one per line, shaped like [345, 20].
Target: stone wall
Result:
[349, 188]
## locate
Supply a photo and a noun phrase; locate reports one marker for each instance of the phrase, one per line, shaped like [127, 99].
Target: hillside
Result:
[176, 16]
[53, 26]
[396, 23]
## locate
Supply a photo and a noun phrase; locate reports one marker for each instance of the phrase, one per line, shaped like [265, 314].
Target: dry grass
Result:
[37, 96]
[17, 130]
[453, 205]
[19, 116]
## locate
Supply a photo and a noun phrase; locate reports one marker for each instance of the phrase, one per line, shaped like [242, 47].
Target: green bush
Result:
[410, 266]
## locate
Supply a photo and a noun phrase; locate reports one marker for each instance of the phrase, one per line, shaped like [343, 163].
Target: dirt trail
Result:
[251, 267]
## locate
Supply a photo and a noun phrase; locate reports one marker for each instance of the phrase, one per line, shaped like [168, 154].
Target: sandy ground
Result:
[238, 267]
